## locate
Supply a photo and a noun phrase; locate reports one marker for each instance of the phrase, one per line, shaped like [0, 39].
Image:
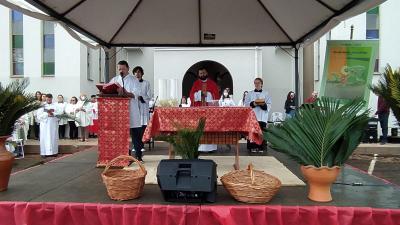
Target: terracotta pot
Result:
[319, 181]
[6, 162]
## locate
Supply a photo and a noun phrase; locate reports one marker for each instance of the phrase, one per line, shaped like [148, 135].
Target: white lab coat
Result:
[145, 92]
[262, 115]
[131, 84]
[48, 129]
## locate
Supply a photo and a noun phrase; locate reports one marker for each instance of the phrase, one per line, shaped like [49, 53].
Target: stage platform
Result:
[74, 178]
[69, 190]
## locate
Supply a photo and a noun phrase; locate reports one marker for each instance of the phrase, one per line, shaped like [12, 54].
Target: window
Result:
[89, 67]
[48, 48]
[372, 31]
[373, 24]
[17, 45]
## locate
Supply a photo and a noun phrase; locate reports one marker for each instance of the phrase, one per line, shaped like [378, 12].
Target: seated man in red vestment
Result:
[204, 90]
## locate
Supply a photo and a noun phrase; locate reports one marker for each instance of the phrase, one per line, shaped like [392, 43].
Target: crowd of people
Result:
[50, 122]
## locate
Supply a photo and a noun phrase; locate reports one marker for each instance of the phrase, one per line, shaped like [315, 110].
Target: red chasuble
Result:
[209, 86]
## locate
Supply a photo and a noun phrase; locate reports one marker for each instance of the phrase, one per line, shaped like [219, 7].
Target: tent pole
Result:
[296, 75]
[107, 68]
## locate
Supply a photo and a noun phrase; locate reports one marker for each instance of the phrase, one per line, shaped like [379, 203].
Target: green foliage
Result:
[321, 134]
[14, 103]
[389, 88]
[186, 141]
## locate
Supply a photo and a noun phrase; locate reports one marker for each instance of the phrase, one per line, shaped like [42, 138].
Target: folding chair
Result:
[277, 118]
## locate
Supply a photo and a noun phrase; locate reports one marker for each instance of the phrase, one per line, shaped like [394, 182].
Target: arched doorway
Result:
[216, 71]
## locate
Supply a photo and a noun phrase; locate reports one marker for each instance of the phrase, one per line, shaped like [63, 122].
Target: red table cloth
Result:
[218, 119]
[18, 213]
[113, 129]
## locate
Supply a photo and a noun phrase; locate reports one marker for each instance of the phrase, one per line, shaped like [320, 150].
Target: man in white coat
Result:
[130, 88]
[49, 127]
[260, 101]
[144, 99]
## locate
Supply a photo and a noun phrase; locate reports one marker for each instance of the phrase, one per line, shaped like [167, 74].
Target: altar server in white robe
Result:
[260, 101]
[130, 88]
[83, 115]
[144, 99]
[47, 116]
[63, 121]
[70, 110]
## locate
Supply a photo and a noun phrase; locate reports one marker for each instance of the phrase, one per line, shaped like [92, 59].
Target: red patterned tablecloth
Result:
[113, 129]
[218, 119]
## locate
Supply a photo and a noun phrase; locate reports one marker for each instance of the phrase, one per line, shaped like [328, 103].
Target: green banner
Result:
[348, 70]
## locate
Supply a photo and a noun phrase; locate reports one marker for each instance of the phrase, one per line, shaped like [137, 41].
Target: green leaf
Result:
[321, 134]
[186, 141]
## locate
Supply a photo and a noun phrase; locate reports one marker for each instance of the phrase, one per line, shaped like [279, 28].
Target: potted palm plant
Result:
[321, 137]
[14, 103]
[389, 88]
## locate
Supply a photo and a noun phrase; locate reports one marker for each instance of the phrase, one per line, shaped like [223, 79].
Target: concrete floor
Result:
[75, 178]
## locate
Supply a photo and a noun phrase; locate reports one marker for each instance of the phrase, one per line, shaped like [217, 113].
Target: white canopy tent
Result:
[200, 23]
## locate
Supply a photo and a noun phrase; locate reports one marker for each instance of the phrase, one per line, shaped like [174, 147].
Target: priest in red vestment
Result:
[204, 91]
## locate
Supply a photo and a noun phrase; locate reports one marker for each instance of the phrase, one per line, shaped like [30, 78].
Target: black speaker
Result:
[394, 132]
[187, 180]
[371, 131]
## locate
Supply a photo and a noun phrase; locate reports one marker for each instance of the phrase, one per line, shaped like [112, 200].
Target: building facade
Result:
[56, 63]
[47, 55]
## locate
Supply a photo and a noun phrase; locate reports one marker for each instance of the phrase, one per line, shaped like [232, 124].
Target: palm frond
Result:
[186, 141]
[321, 134]
[14, 103]
[389, 88]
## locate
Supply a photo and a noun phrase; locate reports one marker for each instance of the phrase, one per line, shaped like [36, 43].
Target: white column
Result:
[162, 89]
[173, 88]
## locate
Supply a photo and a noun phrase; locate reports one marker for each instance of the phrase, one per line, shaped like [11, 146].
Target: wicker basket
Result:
[124, 184]
[251, 186]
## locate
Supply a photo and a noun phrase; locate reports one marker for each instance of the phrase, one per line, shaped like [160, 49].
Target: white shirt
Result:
[70, 110]
[226, 102]
[197, 97]
[145, 92]
[84, 117]
[95, 110]
[131, 84]
[62, 107]
[262, 115]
